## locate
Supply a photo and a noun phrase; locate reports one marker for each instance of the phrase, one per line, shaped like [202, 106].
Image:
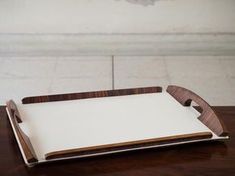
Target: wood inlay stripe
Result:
[127, 145]
[84, 95]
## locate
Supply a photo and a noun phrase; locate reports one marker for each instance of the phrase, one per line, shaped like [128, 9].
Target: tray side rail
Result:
[125, 146]
[85, 95]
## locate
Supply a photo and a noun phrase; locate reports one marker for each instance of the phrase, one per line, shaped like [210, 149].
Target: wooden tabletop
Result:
[208, 158]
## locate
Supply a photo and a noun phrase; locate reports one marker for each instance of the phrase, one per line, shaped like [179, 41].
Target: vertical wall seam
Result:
[113, 76]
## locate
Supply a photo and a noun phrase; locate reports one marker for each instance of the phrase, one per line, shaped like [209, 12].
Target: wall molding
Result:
[117, 44]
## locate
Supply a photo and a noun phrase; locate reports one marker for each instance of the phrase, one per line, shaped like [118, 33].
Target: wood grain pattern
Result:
[23, 138]
[127, 145]
[208, 115]
[84, 95]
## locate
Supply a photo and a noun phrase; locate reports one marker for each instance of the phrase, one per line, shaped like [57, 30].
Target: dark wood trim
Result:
[23, 138]
[126, 145]
[84, 95]
[208, 115]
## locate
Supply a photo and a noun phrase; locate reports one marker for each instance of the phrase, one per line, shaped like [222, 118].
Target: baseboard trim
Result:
[214, 44]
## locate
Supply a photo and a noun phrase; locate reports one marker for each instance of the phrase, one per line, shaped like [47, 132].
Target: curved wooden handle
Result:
[23, 138]
[208, 115]
[14, 111]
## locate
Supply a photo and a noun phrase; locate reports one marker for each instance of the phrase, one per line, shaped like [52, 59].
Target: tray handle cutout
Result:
[208, 115]
[23, 138]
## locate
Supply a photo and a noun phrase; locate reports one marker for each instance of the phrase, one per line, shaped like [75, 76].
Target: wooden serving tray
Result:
[65, 126]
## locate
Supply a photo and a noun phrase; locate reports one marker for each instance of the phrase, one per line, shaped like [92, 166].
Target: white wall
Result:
[41, 43]
[169, 27]
[117, 16]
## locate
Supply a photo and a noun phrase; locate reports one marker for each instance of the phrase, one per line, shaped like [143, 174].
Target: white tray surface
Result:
[55, 126]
